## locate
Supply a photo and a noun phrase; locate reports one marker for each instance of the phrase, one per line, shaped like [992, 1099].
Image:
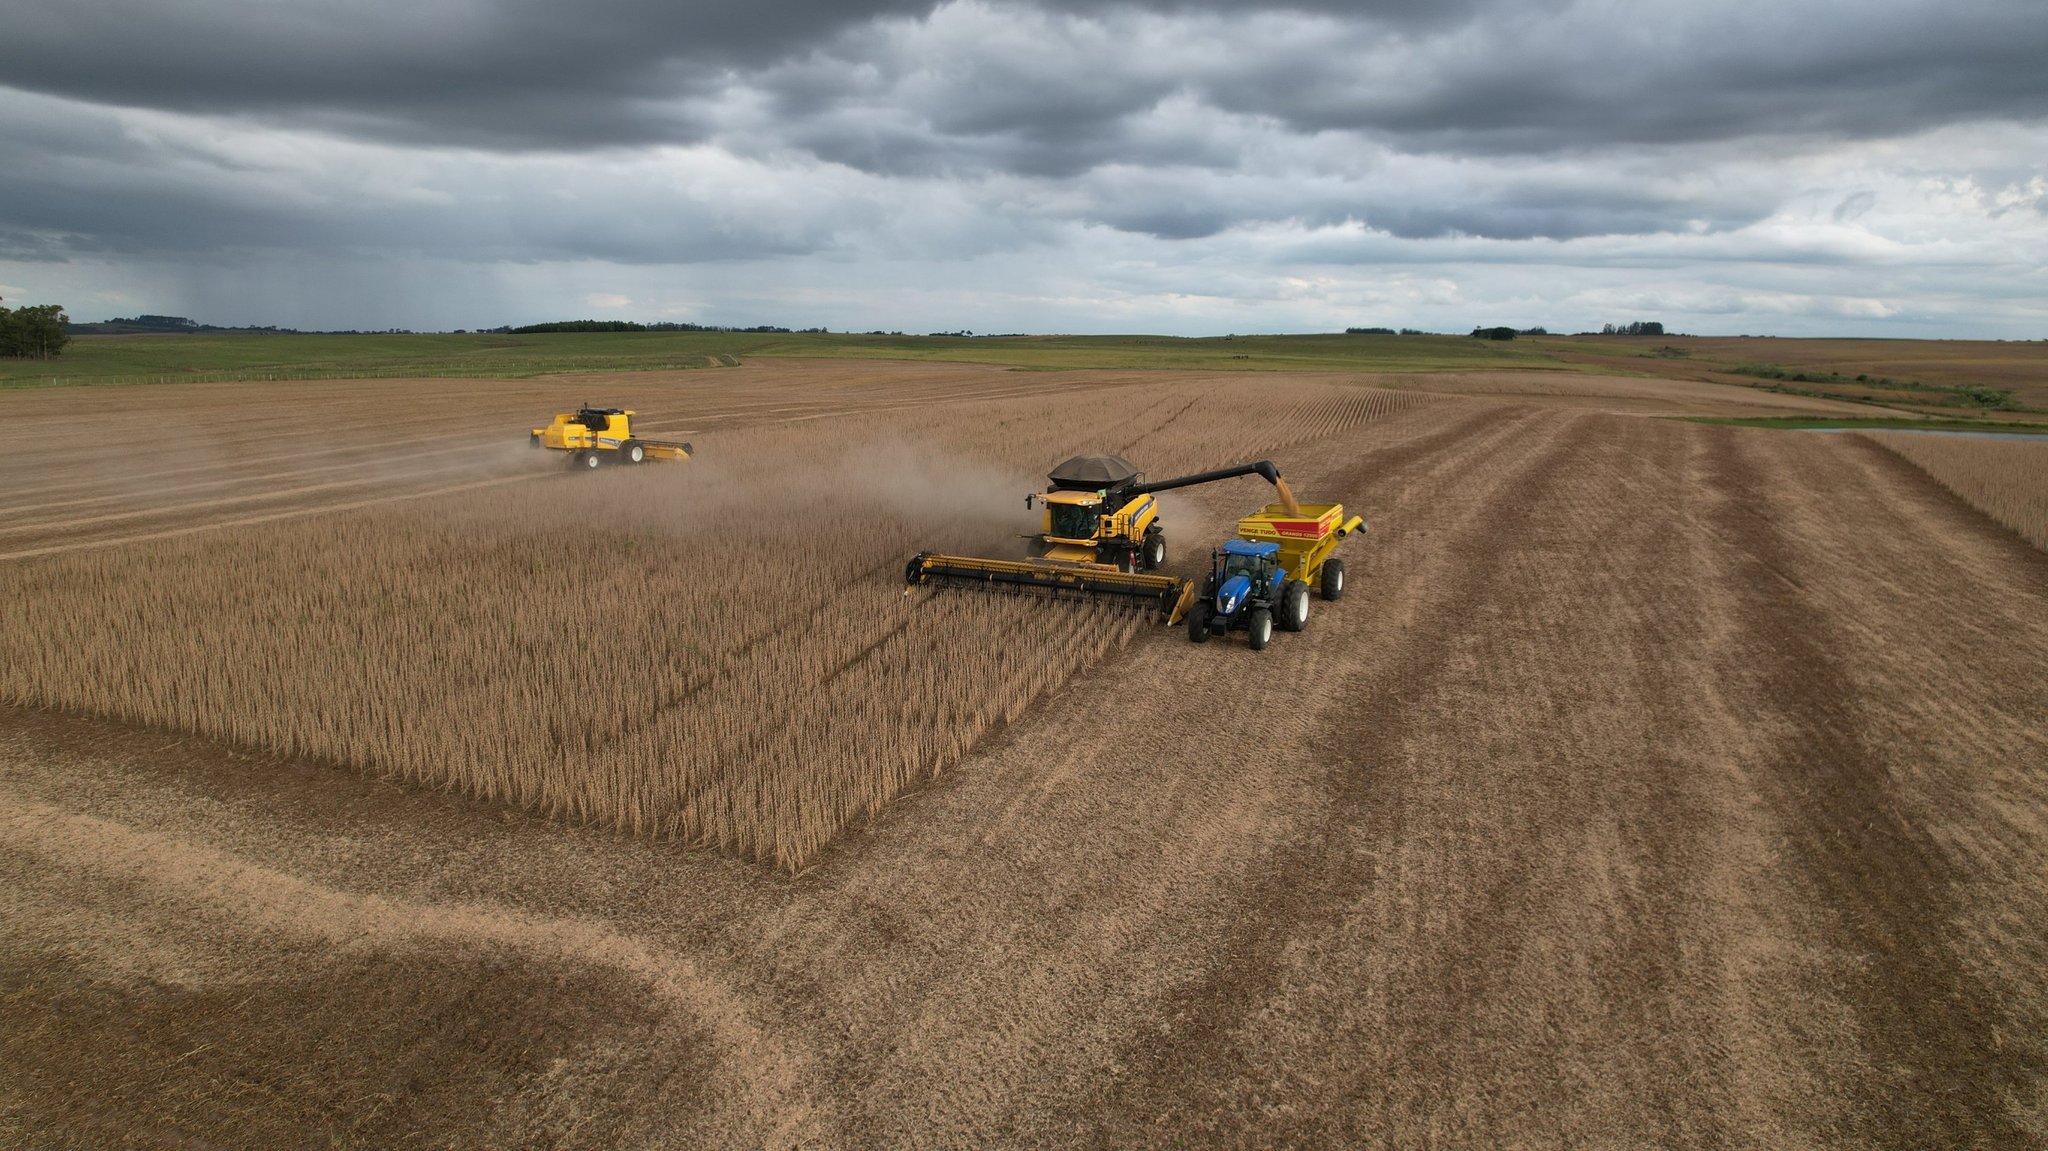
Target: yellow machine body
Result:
[1101, 536]
[596, 435]
[1307, 535]
[1078, 525]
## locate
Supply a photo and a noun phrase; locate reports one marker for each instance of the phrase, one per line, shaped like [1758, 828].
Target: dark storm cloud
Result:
[521, 74]
[1506, 80]
[100, 191]
[1477, 74]
[1169, 119]
[1669, 77]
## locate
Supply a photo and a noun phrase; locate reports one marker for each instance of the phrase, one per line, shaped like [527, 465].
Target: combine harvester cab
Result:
[1262, 580]
[1102, 537]
[593, 436]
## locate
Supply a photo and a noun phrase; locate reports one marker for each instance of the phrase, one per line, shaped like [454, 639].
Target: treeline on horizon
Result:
[155, 324]
[1638, 328]
[636, 326]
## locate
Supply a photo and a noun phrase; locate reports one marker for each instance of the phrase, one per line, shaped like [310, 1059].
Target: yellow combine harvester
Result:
[594, 435]
[1102, 536]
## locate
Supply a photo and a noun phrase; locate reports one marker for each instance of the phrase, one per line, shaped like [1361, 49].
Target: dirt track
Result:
[1656, 785]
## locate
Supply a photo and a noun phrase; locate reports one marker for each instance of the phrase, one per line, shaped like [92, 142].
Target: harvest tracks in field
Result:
[1673, 785]
[719, 654]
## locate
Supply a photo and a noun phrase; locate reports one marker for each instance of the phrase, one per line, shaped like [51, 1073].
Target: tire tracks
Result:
[772, 1086]
[1933, 1079]
[1186, 1073]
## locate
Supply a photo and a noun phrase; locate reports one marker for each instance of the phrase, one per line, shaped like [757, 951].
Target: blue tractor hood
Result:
[1232, 593]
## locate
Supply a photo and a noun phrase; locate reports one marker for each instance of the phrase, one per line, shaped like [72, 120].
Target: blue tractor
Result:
[1248, 590]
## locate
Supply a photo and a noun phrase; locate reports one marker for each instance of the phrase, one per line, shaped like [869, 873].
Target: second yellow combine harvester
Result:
[593, 436]
[1102, 536]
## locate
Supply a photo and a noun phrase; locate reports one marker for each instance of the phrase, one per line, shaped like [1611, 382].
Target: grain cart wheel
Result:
[1155, 551]
[1294, 606]
[632, 452]
[1333, 579]
[1261, 628]
[1198, 623]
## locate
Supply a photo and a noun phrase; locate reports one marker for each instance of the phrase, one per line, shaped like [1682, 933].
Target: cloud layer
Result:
[1183, 167]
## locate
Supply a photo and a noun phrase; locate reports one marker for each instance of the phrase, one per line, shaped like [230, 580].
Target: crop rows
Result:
[720, 652]
[2005, 479]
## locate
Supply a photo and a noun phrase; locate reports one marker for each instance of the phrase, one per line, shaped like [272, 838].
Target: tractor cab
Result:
[1255, 561]
[1259, 563]
[1243, 572]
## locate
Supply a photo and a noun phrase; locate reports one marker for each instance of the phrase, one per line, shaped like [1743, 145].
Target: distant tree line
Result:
[167, 323]
[1386, 332]
[635, 326]
[154, 325]
[35, 332]
[1639, 328]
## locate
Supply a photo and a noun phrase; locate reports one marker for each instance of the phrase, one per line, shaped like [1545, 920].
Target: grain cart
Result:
[1263, 579]
[1102, 536]
[592, 436]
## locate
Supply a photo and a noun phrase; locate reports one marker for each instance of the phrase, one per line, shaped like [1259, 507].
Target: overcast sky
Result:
[1795, 167]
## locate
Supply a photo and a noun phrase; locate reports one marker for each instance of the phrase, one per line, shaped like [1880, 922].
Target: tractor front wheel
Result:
[1333, 579]
[1198, 623]
[1261, 628]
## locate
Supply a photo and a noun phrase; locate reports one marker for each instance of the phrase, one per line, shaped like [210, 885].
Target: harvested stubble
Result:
[2005, 479]
[722, 654]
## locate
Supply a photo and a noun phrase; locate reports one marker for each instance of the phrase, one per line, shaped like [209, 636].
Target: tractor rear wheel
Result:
[1333, 579]
[1198, 623]
[632, 452]
[1294, 606]
[1261, 628]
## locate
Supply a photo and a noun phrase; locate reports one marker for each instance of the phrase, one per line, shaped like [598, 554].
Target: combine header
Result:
[1102, 536]
[1170, 595]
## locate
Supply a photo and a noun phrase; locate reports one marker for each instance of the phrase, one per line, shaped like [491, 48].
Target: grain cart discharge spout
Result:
[1102, 537]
